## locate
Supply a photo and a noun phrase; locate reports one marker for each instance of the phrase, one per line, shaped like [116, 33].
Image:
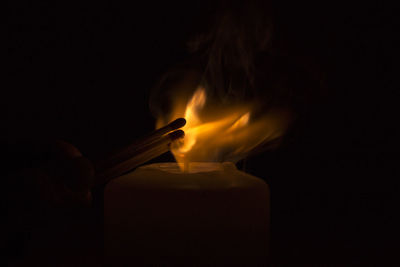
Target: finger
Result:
[78, 174]
[64, 150]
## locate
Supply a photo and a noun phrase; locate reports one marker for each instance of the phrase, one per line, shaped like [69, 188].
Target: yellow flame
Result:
[219, 133]
[242, 121]
[192, 119]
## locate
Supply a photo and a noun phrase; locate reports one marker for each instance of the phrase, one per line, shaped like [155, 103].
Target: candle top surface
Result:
[194, 167]
[201, 175]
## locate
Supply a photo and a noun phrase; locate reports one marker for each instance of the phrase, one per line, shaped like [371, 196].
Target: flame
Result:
[220, 133]
[192, 120]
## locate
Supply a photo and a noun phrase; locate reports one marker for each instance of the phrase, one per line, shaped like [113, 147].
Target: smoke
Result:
[240, 30]
[233, 60]
[223, 57]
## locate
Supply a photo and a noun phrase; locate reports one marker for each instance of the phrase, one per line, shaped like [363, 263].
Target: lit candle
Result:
[213, 214]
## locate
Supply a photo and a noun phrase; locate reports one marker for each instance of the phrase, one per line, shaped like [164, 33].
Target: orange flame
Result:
[218, 133]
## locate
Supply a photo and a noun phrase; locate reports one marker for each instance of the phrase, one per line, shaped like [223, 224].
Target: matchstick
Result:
[126, 152]
[132, 158]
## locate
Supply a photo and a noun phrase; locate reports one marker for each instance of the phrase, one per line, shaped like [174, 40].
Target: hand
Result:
[61, 177]
[48, 215]
[66, 179]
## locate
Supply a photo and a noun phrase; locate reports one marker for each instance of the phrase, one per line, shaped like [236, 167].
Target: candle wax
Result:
[213, 214]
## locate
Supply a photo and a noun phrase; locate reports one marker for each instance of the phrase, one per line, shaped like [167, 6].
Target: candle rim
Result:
[195, 167]
[151, 177]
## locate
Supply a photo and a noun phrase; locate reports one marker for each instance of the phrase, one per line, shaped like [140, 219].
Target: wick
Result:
[186, 166]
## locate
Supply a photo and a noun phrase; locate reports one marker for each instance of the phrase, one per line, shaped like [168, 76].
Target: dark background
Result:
[82, 72]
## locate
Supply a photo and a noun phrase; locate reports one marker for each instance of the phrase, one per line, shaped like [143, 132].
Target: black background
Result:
[83, 72]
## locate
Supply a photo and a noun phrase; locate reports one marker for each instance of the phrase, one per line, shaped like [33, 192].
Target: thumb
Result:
[75, 171]
[78, 174]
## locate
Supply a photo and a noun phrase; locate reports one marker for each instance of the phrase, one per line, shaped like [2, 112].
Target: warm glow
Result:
[219, 133]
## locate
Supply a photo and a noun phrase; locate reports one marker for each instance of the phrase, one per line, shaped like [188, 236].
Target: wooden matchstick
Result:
[141, 153]
[128, 151]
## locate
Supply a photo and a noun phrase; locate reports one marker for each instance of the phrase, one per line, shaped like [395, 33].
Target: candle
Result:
[213, 214]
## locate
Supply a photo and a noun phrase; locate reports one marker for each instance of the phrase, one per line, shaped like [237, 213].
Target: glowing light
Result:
[219, 133]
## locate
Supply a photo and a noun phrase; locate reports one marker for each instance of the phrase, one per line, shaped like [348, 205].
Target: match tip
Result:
[176, 135]
[178, 123]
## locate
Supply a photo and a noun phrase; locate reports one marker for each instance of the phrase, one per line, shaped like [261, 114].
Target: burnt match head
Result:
[176, 135]
[178, 123]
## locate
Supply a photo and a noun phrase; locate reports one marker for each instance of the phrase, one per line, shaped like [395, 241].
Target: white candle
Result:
[212, 215]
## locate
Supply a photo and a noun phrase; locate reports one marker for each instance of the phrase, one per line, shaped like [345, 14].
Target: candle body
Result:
[216, 215]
